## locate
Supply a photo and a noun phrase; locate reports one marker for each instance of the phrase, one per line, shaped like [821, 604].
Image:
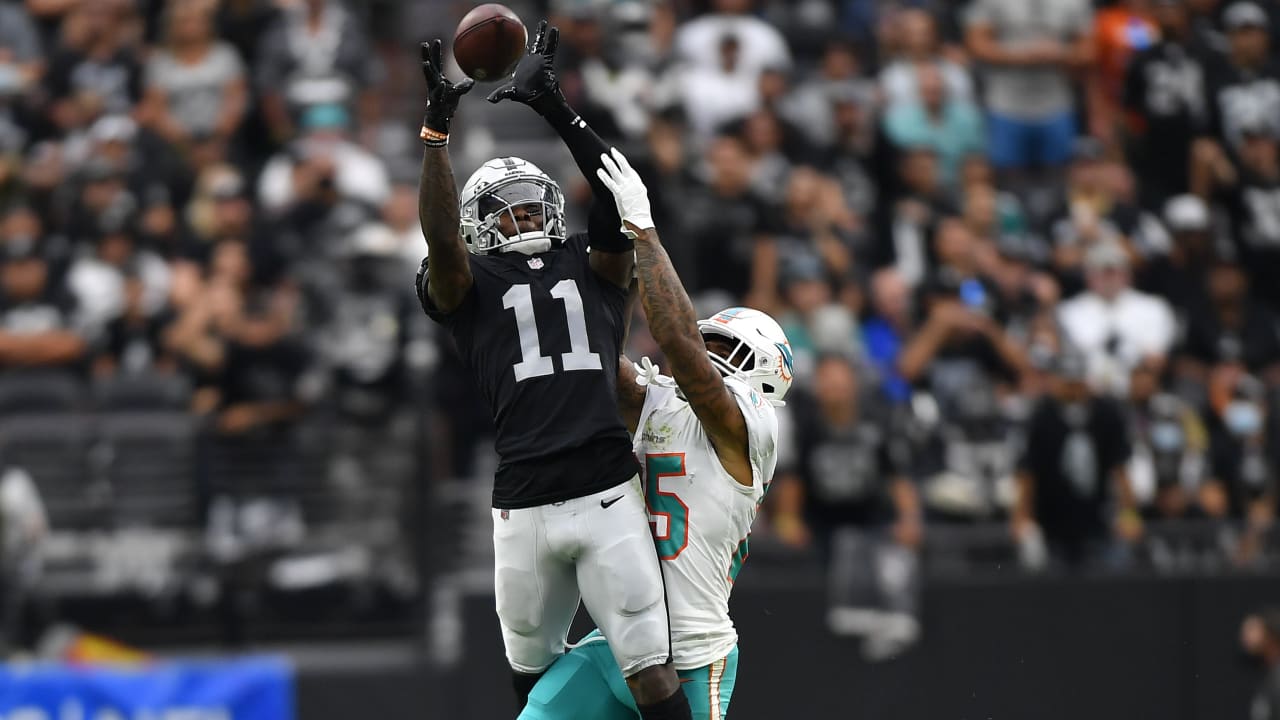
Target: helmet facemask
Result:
[481, 218]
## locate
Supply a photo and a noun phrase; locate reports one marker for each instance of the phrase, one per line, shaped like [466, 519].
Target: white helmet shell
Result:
[762, 356]
[498, 187]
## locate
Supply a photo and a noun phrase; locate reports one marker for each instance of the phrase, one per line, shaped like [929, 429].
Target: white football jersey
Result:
[700, 515]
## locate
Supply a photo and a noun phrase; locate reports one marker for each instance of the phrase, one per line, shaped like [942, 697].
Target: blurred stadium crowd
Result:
[1022, 250]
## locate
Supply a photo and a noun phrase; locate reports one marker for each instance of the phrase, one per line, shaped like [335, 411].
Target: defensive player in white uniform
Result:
[706, 437]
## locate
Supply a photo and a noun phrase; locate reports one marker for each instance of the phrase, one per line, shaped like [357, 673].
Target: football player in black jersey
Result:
[539, 322]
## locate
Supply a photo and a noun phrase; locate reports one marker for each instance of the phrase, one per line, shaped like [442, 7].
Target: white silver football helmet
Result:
[761, 356]
[498, 187]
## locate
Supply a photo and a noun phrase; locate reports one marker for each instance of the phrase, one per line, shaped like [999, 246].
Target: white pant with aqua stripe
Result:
[585, 684]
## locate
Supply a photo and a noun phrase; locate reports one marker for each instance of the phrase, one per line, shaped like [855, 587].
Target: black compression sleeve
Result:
[605, 227]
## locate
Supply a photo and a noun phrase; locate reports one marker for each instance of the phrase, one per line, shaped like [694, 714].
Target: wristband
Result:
[433, 138]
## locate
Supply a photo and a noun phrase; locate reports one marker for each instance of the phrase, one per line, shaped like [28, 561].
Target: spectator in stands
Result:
[1179, 274]
[243, 23]
[1168, 466]
[100, 188]
[21, 225]
[809, 306]
[1028, 54]
[103, 278]
[1113, 325]
[716, 95]
[814, 219]
[936, 119]
[726, 223]
[323, 167]
[1252, 201]
[1073, 470]
[762, 137]
[844, 481]
[900, 78]
[197, 91]
[1164, 97]
[993, 212]
[887, 330]
[219, 210]
[1243, 86]
[859, 156]
[363, 327]
[1245, 455]
[1228, 329]
[315, 54]
[1119, 32]
[133, 342]
[961, 354]
[154, 185]
[700, 42]
[38, 326]
[962, 361]
[1020, 291]
[1090, 211]
[239, 337]
[21, 67]
[608, 86]
[100, 75]
[1260, 641]
[400, 213]
[809, 106]
[917, 211]
[201, 305]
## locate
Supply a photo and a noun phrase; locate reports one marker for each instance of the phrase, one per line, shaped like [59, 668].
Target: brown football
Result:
[489, 42]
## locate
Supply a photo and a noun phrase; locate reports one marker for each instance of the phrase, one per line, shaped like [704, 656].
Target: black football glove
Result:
[442, 93]
[534, 80]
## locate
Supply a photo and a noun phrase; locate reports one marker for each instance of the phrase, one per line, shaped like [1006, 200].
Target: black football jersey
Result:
[541, 335]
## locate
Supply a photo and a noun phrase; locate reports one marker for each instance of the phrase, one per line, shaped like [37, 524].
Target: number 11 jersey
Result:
[541, 335]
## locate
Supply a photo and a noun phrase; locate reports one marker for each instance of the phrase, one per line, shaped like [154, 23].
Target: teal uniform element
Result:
[585, 684]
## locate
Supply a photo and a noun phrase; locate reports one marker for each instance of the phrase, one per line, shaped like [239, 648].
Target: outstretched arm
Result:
[535, 84]
[674, 324]
[448, 270]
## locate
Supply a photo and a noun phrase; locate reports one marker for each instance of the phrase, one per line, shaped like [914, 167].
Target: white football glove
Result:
[629, 192]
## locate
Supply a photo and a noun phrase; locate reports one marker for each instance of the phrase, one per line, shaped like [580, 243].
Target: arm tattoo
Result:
[448, 271]
[674, 326]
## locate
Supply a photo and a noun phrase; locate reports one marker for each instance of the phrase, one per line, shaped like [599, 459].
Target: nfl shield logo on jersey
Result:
[535, 263]
[506, 514]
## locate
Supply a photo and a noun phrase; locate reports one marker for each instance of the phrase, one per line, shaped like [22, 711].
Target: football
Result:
[489, 42]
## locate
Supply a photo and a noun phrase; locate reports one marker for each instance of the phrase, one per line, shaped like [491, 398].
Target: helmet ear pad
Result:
[494, 191]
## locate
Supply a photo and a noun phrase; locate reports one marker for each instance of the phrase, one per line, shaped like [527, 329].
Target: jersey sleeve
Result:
[762, 435]
[424, 298]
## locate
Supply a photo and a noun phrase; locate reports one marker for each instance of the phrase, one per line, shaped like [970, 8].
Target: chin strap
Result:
[532, 246]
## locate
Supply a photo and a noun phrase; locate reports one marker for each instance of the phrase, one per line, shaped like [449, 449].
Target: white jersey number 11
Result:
[533, 363]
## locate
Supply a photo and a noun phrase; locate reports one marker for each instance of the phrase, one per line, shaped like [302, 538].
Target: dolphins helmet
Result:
[761, 355]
